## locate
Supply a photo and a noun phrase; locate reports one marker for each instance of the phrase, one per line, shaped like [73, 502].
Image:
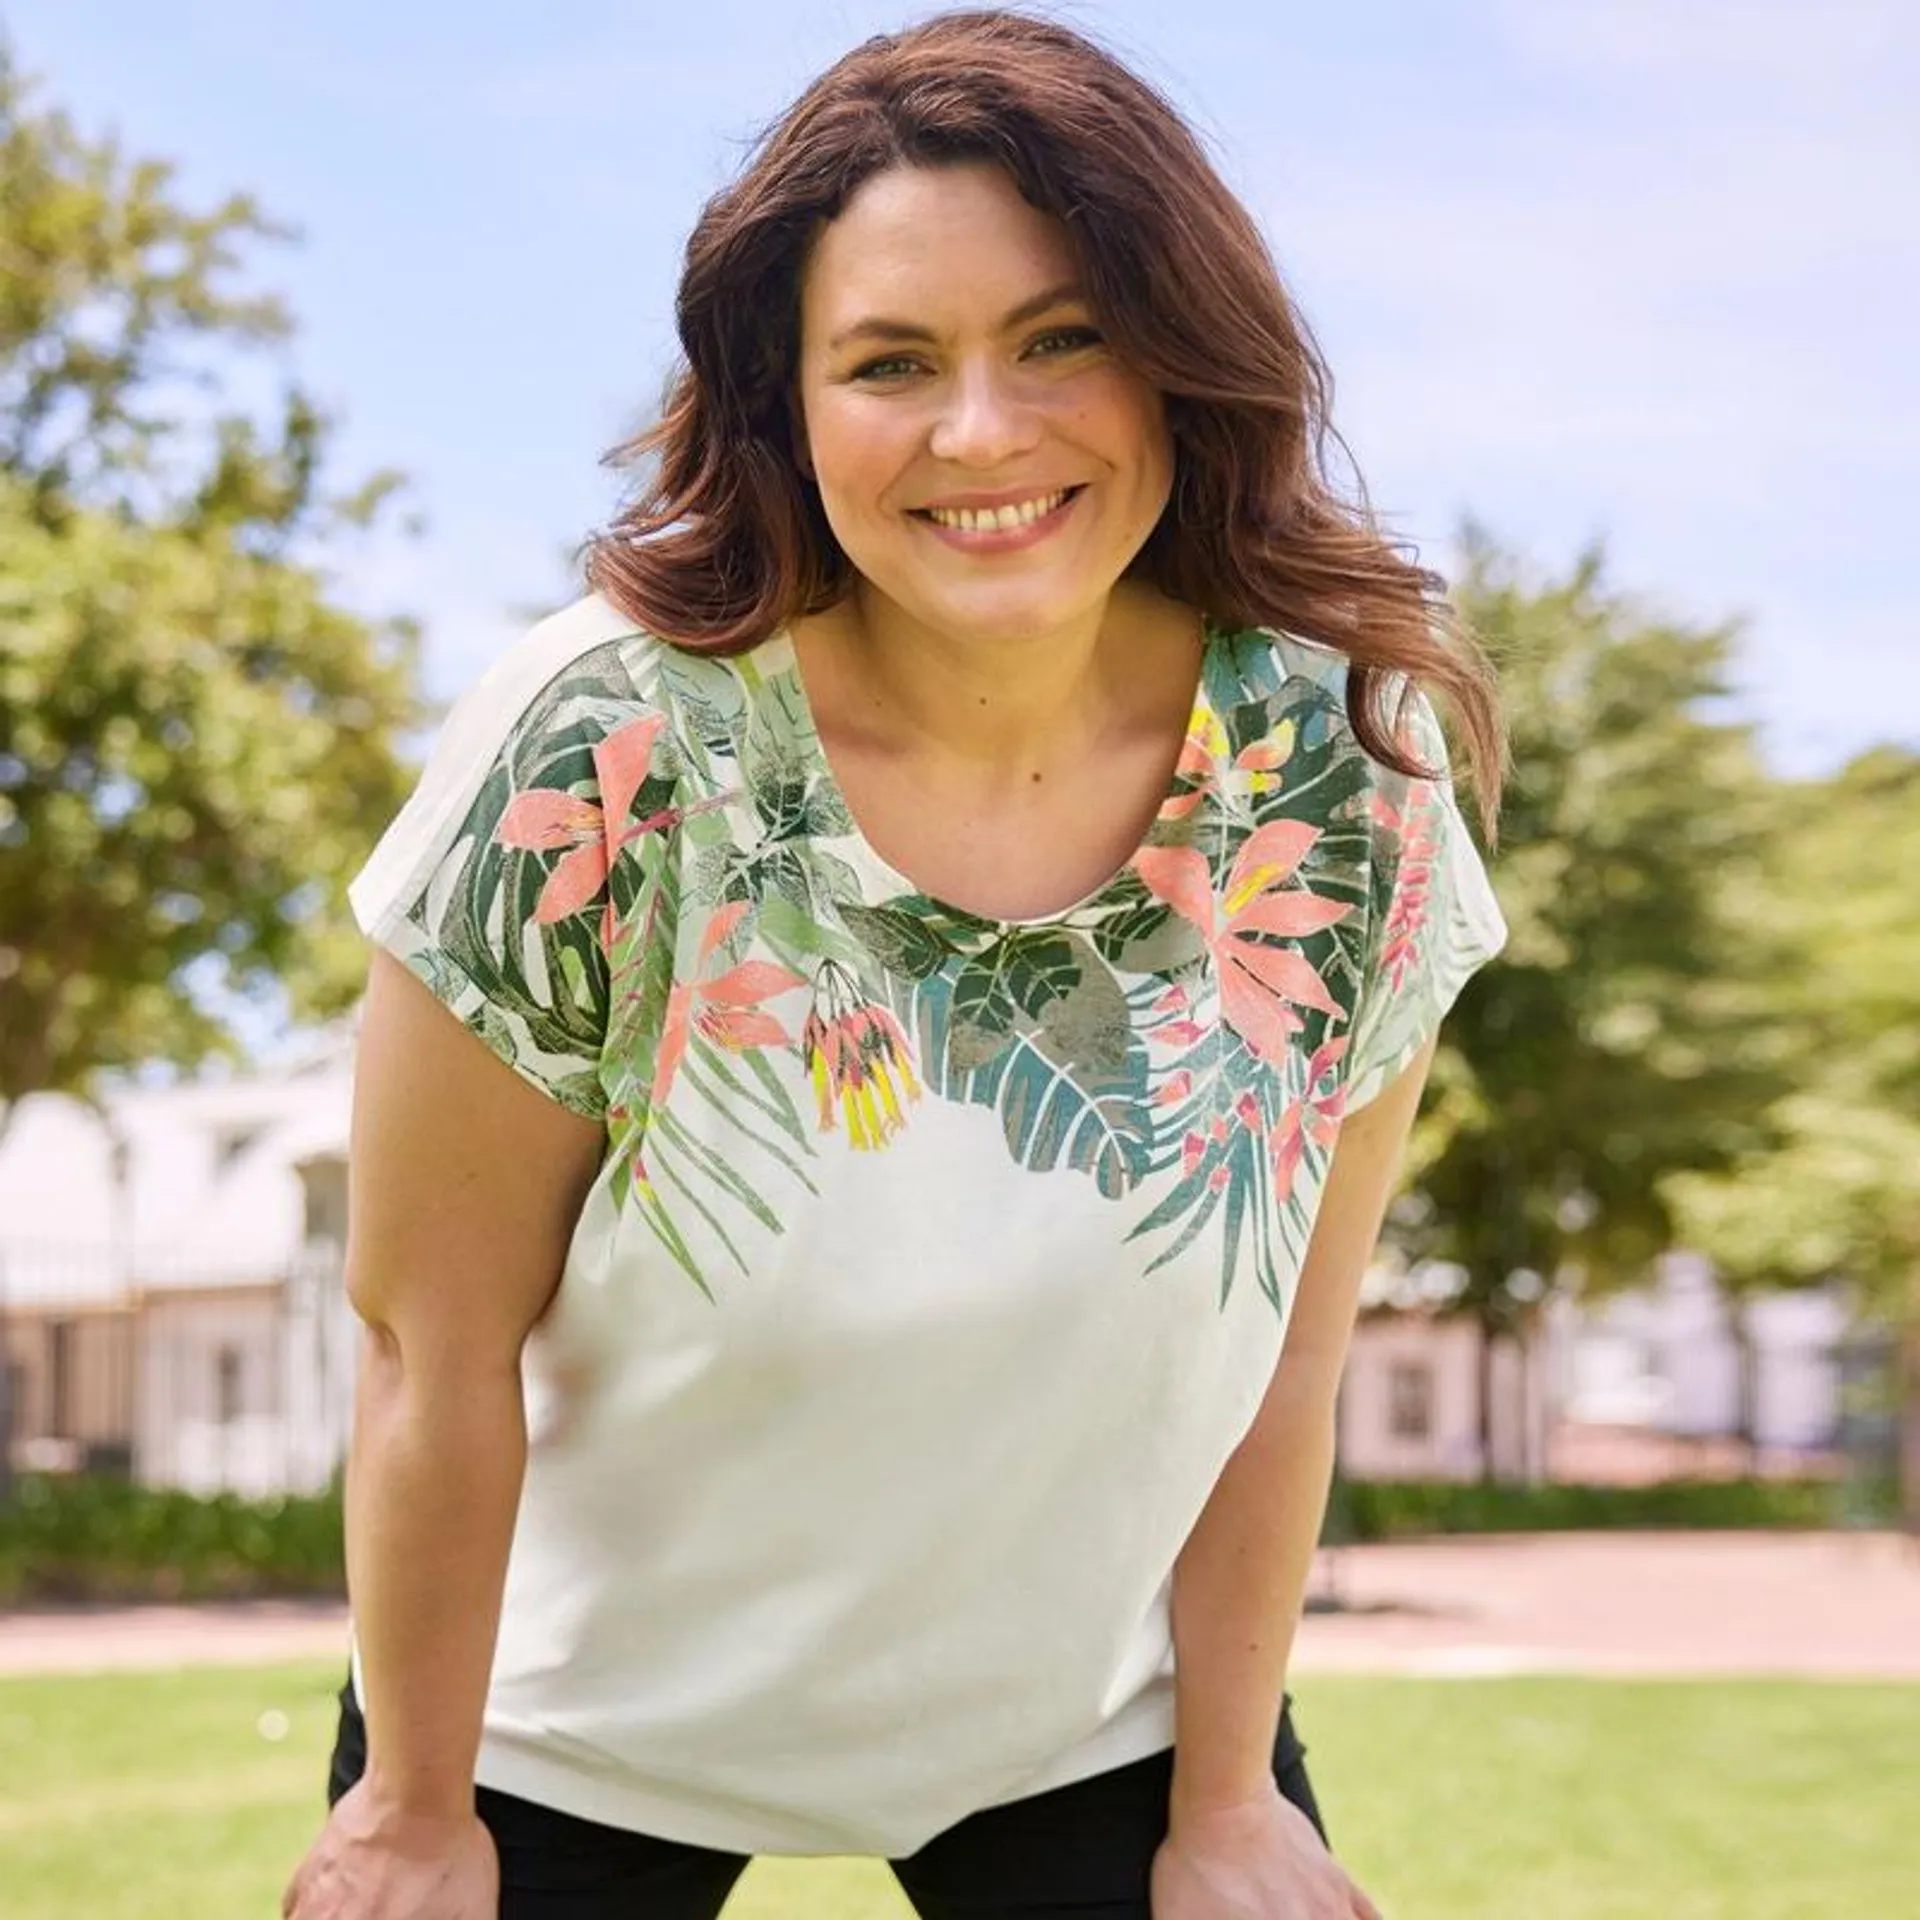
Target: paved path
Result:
[1828, 1606]
[236, 1634]
[1822, 1605]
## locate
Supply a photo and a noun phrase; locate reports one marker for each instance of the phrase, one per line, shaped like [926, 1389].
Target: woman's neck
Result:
[999, 705]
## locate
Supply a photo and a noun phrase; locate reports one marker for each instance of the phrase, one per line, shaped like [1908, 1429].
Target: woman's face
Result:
[983, 458]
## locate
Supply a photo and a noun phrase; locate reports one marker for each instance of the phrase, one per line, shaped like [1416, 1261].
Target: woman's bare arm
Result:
[1240, 1579]
[466, 1184]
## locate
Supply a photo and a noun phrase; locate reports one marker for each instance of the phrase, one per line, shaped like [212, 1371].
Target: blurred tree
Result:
[197, 743]
[1836, 1196]
[1622, 1037]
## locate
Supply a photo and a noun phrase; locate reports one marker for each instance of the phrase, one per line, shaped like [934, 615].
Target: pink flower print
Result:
[858, 1059]
[726, 1009]
[1177, 1033]
[1206, 741]
[1312, 1119]
[1255, 769]
[1257, 766]
[1417, 826]
[1260, 984]
[1174, 1088]
[1174, 1025]
[544, 818]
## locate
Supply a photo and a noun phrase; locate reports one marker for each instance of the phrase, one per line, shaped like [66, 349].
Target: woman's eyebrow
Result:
[877, 327]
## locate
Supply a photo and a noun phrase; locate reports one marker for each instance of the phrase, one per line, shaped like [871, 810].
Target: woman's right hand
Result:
[376, 1862]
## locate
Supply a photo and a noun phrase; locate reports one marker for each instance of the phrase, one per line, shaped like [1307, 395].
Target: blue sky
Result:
[1644, 269]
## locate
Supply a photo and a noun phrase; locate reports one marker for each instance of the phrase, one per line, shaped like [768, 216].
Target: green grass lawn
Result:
[156, 1796]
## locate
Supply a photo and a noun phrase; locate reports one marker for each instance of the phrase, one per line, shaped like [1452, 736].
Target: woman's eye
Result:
[1068, 339]
[1055, 341]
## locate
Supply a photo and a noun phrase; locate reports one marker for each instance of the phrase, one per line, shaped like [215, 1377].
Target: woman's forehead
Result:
[957, 238]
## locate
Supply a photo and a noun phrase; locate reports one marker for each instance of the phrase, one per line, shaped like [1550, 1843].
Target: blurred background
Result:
[314, 325]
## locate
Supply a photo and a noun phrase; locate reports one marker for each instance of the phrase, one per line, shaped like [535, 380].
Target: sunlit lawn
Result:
[156, 1796]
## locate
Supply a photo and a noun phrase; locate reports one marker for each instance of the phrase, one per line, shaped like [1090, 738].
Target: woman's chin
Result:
[1002, 617]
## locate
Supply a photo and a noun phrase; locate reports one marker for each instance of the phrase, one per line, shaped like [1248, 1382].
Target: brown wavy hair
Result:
[725, 540]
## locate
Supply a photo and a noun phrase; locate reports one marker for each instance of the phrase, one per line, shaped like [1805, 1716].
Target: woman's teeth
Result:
[997, 519]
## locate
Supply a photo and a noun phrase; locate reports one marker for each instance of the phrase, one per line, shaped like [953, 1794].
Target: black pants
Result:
[1083, 1850]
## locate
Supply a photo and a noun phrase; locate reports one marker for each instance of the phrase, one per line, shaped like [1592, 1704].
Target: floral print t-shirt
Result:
[937, 1263]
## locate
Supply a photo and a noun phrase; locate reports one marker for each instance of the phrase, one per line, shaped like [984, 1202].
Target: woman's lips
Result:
[1001, 539]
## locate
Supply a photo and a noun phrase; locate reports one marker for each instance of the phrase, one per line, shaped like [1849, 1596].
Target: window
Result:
[325, 1183]
[228, 1378]
[13, 1405]
[230, 1142]
[1410, 1400]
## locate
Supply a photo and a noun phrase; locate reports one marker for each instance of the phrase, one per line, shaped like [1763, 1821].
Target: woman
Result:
[966, 905]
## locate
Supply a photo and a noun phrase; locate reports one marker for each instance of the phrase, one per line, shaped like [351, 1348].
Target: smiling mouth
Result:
[1002, 519]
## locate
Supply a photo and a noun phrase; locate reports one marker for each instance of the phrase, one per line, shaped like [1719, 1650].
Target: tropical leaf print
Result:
[662, 907]
[1035, 1028]
[542, 996]
[719, 1009]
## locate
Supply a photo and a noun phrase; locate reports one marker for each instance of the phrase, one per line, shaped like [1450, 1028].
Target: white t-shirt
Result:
[937, 1264]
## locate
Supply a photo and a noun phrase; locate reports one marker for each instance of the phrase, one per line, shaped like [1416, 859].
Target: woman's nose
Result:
[984, 420]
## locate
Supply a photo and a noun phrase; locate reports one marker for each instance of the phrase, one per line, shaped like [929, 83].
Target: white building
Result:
[1670, 1357]
[169, 1279]
[1660, 1363]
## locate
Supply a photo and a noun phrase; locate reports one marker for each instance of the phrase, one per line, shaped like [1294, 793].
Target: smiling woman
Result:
[727, 541]
[994, 422]
[957, 922]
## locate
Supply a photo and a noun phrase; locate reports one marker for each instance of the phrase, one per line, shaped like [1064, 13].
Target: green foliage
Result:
[1404, 1509]
[1837, 1194]
[197, 745]
[1623, 1036]
[107, 1540]
[81, 1538]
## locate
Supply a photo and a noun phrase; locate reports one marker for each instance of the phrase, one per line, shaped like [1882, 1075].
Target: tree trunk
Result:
[1487, 1474]
[6, 1412]
[1532, 1468]
[1746, 1414]
[1908, 1379]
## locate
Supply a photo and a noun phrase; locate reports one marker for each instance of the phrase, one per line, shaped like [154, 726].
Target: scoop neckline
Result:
[874, 867]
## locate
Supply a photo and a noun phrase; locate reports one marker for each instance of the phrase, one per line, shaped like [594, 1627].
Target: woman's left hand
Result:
[1258, 1860]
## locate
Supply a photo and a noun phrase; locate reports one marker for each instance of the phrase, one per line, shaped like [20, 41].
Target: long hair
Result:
[726, 539]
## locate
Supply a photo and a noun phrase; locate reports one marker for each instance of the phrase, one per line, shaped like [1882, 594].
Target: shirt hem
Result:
[1143, 1728]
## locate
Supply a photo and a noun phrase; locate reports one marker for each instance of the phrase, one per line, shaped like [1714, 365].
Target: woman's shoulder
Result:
[1274, 666]
[1291, 673]
[554, 697]
[587, 642]
[590, 657]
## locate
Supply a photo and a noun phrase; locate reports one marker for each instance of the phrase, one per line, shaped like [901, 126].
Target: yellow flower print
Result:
[857, 1057]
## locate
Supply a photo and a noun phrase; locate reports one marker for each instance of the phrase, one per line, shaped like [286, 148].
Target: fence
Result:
[205, 1381]
[231, 1381]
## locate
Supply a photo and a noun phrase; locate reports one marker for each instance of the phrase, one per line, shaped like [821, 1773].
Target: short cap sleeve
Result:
[1435, 920]
[491, 884]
